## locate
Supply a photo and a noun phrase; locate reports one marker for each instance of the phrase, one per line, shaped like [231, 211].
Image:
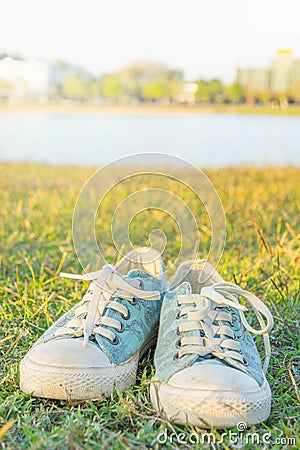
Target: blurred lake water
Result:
[208, 140]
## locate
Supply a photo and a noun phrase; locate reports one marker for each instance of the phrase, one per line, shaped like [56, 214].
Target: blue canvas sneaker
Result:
[208, 369]
[98, 343]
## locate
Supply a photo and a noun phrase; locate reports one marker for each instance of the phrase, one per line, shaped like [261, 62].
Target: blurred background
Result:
[215, 82]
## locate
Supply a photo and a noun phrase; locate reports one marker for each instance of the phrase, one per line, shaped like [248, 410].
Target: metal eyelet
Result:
[178, 316]
[178, 332]
[178, 343]
[245, 362]
[115, 341]
[134, 301]
[175, 357]
[122, 328]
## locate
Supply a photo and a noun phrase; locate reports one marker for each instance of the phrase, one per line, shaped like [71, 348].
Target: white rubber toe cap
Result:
[66, 353]
[213, 377]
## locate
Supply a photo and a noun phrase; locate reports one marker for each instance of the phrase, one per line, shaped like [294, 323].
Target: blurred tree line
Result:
[147, 82]
[151, 82]
[140, 82]
[214, 91]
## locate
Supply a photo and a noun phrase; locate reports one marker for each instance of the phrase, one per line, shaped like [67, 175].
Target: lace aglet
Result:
[85, 340]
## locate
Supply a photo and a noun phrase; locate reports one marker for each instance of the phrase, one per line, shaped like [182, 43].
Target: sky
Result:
[205, 39]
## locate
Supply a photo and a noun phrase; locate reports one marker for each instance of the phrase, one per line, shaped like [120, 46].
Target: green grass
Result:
[262, 254]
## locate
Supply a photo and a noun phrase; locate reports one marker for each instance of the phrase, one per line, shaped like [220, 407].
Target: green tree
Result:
[150, 81]
[157, 89]
[112, 86]
[235, 93]
[216, 91]
[175, 86]
[202, 94]
[211, 91]
[75, 88]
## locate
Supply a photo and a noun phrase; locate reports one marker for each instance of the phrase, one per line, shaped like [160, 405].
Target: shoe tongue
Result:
[135, 277]
[136, 273]
[214, 361]
[143, 280]
[183, 289]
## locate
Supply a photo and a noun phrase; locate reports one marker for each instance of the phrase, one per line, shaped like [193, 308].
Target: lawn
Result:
[262, 254]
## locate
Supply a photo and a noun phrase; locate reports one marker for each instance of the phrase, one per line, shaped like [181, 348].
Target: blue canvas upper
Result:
[142, 321]
[165, 363]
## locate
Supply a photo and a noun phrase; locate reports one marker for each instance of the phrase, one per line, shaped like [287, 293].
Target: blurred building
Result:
[187, 94]
[24, 79]
[278, 78]
[256, 80]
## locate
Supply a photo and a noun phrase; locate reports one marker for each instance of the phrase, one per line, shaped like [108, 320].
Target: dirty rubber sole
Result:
[207, 408]
[80, 383]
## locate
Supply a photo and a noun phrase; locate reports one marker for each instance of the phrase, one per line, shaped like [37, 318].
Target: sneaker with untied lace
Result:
[208, 369]
[98, 343]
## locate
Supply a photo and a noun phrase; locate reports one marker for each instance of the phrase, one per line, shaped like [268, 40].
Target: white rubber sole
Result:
[207, 409]
[78, 383]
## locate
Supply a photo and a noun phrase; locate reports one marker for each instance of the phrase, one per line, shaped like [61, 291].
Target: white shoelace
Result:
[106, 284]
[202, 315]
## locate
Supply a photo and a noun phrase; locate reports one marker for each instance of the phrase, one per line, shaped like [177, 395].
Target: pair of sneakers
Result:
[208, 369]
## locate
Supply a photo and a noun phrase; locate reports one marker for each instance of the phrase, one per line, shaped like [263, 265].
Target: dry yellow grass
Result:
[262, 253]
